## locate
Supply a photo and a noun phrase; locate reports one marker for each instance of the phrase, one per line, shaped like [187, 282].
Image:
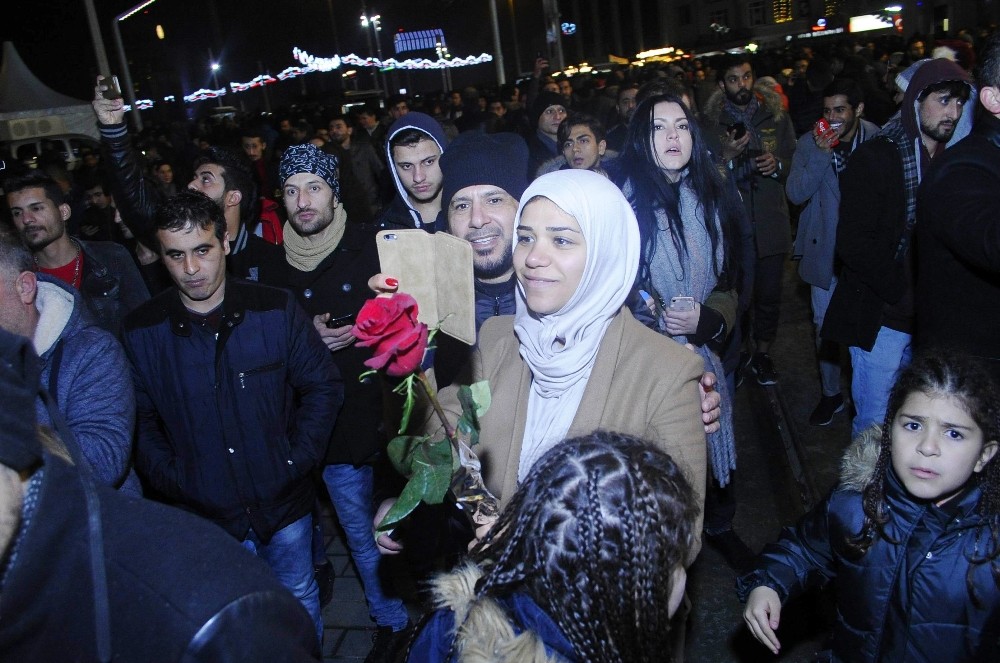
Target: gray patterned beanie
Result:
[307, 158]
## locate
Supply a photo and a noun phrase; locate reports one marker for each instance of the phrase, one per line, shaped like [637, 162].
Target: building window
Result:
[832, 7]
[719, 17]
[755, 13]
[684, 15]
[782, 10]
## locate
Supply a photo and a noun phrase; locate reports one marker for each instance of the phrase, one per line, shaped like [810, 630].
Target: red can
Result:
[822, 126]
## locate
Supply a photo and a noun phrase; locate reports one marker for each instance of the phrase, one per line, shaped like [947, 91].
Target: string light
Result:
[313, 64]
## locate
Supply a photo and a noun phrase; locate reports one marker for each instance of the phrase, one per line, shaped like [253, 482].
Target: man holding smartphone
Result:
[814, 181]
[328, 264]
[757, 145]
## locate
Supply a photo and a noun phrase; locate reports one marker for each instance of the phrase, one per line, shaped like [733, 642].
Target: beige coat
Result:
[642, 384]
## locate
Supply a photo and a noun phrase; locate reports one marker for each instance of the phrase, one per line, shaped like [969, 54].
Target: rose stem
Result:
[448, 429]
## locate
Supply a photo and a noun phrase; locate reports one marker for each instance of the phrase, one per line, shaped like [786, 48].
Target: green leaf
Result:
[407, 502]
[439, 452]
[429, 484]
[401, 451]
[481, 397]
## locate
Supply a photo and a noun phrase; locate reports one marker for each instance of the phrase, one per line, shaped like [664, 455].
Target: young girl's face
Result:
[937, 446]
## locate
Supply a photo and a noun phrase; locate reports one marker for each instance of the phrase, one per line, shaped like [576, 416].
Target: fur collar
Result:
[858, 462]
[769, 100]
[483, 631]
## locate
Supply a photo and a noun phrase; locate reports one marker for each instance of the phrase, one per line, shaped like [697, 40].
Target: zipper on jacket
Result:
[260, 369]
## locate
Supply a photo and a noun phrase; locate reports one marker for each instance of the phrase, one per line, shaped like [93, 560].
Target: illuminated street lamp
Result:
[215, 78]
[375, 24]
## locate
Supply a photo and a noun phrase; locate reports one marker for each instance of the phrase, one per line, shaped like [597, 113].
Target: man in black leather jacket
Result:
[222, 175]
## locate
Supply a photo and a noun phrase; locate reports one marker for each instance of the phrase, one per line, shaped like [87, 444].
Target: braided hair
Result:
[942, 373]
[594, 536]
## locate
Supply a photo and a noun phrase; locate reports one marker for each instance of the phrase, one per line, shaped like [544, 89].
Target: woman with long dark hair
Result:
[688, 213]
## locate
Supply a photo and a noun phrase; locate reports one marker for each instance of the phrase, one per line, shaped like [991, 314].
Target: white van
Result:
[27, 150]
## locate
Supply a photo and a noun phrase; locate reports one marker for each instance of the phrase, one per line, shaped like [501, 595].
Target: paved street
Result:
[783, 464]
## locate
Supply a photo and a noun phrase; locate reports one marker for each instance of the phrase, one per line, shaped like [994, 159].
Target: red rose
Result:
[389, 326]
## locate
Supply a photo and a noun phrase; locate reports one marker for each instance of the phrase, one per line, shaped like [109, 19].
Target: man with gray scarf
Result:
[871, 310]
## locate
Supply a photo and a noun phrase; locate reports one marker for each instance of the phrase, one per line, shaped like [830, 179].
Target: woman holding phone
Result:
[688, 215]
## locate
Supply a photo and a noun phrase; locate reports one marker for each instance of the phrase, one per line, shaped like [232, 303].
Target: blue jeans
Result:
[874, 375]
[350, 490]
[289, 554]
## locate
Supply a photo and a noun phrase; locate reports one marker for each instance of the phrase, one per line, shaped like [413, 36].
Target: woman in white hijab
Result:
[573, 359]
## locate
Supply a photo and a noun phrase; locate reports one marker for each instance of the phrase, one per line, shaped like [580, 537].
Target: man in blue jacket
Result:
[235, 396]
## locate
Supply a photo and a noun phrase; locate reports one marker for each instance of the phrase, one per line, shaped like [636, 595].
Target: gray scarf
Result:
[693, 274]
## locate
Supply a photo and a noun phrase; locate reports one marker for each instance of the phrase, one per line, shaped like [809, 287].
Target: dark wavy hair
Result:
[237, 175]
[190, 208]
[944, 373]
[594, 535]
[649, 191]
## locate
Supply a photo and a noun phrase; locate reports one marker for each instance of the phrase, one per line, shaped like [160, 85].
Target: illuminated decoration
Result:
[319, 64]
[314, 64]
[159, 32]
[259, 81]
[293, 72]
[393, 63]
[752, 47]
[170, 97]
[203, 94]
[141, 104]
[568, 29]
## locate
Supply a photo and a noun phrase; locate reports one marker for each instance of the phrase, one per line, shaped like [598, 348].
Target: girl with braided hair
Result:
[911, 537]
[585, 564]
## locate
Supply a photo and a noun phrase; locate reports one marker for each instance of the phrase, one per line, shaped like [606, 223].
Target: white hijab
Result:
[560, 348]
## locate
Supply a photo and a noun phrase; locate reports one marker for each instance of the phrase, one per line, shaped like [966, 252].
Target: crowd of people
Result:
[194, 346]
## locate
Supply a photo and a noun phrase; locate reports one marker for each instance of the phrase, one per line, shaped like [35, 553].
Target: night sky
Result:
[54, 40]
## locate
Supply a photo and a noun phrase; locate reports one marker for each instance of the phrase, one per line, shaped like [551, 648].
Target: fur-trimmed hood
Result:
[769, 99]
[483, 629]
[858, 462]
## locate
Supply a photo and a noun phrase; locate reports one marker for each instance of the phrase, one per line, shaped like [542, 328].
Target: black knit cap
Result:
[543, 101]
[20, 369]
[474, 158]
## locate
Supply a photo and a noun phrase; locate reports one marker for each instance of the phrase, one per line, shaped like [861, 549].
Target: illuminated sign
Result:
[869, 22]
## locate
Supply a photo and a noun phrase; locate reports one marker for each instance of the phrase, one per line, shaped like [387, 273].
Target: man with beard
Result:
[958, 275]
[814, 181]
[413, 150]
[103, 272]
[328, 263]
[361, 170]
[757, 145]
[871, 310]
[625, 107]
